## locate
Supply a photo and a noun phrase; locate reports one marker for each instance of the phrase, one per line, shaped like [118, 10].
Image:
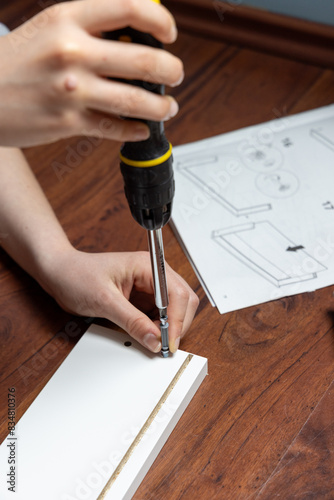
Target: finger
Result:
[102, 126]
[126, 100]
[178, 304]
[183, 304]
[190, 312]
[132, 61]
[144, 15]
[135, 323]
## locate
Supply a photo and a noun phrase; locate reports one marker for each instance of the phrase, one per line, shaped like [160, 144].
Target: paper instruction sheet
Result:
[254, 209]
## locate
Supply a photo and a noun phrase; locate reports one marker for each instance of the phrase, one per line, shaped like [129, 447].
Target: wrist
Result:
[50, 263]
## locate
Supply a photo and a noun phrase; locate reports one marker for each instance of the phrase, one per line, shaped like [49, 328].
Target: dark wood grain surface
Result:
[233, 21]
[260, 425]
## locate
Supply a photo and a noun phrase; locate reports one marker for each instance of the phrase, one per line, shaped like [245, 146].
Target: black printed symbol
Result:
[287, 142]
[328, 205]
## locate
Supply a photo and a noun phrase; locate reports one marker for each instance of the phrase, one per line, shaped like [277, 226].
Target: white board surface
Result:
[76, 432]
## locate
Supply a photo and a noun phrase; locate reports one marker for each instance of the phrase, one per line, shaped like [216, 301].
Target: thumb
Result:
[136, 324]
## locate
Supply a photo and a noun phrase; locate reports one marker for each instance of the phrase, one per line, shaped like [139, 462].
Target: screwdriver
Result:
[147, 170]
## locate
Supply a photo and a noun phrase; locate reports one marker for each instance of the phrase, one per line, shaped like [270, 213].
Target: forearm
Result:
[97, 285]
[29, 230]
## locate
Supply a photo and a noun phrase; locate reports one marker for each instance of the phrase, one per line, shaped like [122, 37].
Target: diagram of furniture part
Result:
[323, 137]
[268, 252]
[222, 176]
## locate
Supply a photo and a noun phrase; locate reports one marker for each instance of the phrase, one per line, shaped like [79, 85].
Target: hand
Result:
[100, 285]
[54, 69]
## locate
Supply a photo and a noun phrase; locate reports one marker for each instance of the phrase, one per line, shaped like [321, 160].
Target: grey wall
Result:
[321, 11]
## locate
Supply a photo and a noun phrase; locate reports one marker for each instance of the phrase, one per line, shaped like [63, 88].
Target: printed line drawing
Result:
[322, 138]
[279, 184]
[282, 263]
[261, 158]
[214, 176]
[268, 190]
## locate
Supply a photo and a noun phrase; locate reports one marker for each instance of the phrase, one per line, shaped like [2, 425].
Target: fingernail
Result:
[174, 108]
[180, 80]
[174, 345]
[174, 33]
[142, 132]
[152, 343]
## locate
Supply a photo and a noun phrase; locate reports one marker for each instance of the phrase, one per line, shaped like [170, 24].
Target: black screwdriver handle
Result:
[147, 166]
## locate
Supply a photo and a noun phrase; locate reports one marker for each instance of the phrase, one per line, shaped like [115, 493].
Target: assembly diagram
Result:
[208, 175]
[254, 209]
[321, 136]
[267, 251]
[219, 176]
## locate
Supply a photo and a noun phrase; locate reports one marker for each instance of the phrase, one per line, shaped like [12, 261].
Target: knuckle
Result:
[121, 133]
[131, 9]
[65, 51]
[70, 120]
[178, 324]
[194, 301]
[147, 63]
[144, 258]
[101, 302]
[182, 293]
[134, 101]
[162, 110]
[159, 66]
[58, 86]
[94, 306]
[134, 326]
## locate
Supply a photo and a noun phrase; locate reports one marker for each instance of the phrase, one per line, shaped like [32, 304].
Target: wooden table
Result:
[261, 424]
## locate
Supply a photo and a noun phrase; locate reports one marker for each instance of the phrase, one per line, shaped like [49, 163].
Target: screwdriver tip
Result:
[164, 336]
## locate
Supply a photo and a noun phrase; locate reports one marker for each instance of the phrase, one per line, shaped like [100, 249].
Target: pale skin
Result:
[53, 86]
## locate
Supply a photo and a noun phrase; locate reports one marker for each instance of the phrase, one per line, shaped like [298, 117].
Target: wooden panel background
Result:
[234, 22]
[261, 424]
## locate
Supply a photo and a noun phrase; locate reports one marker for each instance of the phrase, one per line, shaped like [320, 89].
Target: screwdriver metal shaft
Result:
[156, 248]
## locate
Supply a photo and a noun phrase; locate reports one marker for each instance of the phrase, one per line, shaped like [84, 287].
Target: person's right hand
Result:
[102, 284]
[54, 69]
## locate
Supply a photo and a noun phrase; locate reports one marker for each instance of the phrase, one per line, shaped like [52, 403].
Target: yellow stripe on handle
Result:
[147, 163]
[156, 1]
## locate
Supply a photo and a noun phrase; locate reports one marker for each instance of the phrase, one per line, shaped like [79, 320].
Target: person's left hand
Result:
[101, 285]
